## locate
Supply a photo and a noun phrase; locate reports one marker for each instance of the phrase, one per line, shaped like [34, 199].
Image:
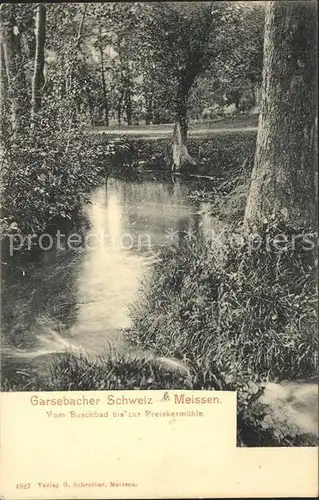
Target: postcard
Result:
[159, 334]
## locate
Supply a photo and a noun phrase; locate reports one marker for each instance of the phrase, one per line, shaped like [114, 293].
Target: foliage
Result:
[49, 166]
[46, 178]
[143, 45]
[248, 312]
[115, 59]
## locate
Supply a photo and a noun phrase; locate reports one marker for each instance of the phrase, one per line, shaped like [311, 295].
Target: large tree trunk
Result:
[282, 184]
[13, 63]
[181, 157]
[38, 74]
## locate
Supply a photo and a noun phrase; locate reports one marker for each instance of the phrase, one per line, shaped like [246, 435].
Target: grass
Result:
[49, 290]
[250, 313]
[74, 372]
[236, 314]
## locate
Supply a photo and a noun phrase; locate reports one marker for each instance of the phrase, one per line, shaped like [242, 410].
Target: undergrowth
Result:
[47, 174]
[248, 312]
[227, 200]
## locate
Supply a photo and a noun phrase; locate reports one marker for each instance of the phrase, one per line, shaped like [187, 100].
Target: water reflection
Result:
[109, 276]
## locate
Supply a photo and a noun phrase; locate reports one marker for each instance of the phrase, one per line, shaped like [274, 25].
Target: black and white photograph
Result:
[159, 204]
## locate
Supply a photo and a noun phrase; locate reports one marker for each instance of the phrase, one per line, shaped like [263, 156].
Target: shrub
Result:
[44, 183]
[49, 172]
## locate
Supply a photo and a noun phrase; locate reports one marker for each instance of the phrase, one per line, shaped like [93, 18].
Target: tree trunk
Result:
[70, 73]
[119, 107]
[29, 36]
[128, 104]
[282, 185]
[105, 99]
[13, 63]
[181, 156]
[91, 109]
[3, 96]
[38, 74]
[149, 110]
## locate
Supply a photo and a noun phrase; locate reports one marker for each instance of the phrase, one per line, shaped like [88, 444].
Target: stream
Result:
[78, 296]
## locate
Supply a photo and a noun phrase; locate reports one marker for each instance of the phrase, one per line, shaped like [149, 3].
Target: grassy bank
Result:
[233, 315]
[250, 312]
[70, 372]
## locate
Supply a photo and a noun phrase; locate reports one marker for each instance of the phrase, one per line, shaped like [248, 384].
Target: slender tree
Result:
[3, 93]
[12, 61]
[282, 184]
[105, 98]
[76, 49]
[38, 74]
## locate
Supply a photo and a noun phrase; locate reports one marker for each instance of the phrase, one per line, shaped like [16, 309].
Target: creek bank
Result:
[215, 157]
[215, 300]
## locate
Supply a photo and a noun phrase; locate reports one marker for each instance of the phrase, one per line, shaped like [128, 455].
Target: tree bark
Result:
[38, 74]
[257, 94]
[3, 96]
[119, 107]
[181, 157]
[282, 185]
[149, 109]
[13, 63]
[128, 103]
[105, 99]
